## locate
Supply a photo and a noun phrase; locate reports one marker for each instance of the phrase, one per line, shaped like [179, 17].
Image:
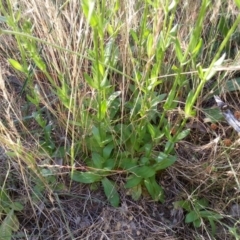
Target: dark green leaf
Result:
[17, 206]
[164, 162]
[210, 215]
[151, 130]
[214, 114]
[231, 85]
[154, 189]
[96, 134]
[201, 203]
[186, 205]
[158, 99]
[109, 164]
[182, 135]
[107, 150]
[133, 181]
[144, 171]
[111, 192]
[85, 177]
[98, 160]
[128, 163]
[144, 160]
[40, 120]
[9, 224]
[213, 226]
[191, 217]
[197, 223]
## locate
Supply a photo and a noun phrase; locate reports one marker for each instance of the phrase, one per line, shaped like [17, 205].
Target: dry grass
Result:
[204, 168]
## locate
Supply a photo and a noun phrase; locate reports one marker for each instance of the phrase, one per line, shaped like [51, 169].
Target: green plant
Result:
[127, 126]
[8, 218]
[197, 213]
[126, 144]
[235, 232]
[109, 86]
[127, 131]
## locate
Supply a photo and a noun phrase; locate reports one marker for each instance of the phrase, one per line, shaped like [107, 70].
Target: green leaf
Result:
[40, 120]
[214, 114]
[39, 62]
[128, 163]
[182, 135]
[178, 51]
[16, 206]
[154, 189]
[197, 223]
[63, 94]
[150, 45]
[136, 192]
[103, 109]
[237, 3]
[9, 224]
[112, 97]
[151, 130]
[169, 146]
[155, 133]
[186, 205]
[189, 104]
[201, 204]
[164, 161]
[85, 177]
[231, 85]
[98, 160]
[111, 192]
[170, 103]
[144, 171]
[17, 65]
[213, 226]
[133, 181]
[134, 36]
[158, 99]
[109, 164]
[107, 150]
[90, 81]
[147, 148]
[197, 49]
[172, 5]
[213, 71]
[210, 215]
[96, 134]
[88, 10]
[191, 217]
